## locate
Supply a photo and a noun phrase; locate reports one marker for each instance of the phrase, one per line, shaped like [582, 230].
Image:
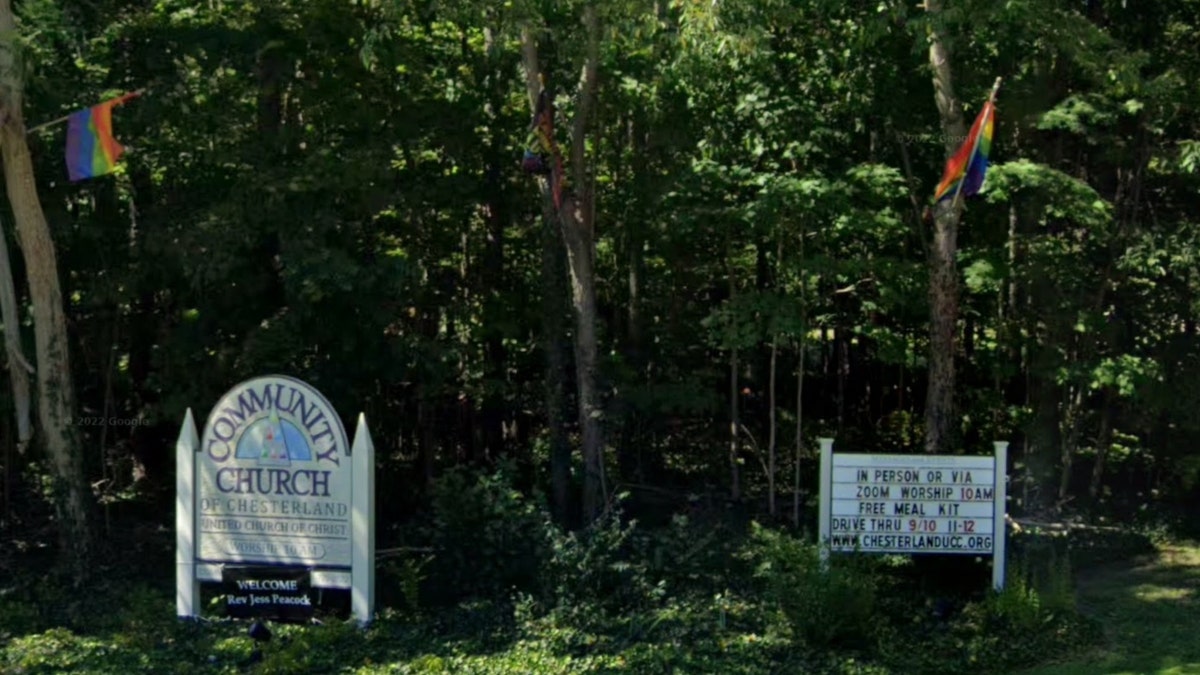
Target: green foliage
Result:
[488, 538]
[332, 190]
[594, 570]
[824, 607]
[615, 597]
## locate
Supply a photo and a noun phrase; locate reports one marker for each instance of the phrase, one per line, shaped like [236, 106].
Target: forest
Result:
[599, 275]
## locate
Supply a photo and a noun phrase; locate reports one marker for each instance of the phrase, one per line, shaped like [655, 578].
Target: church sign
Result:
[946, 504]
[273, 481]
[273, 478]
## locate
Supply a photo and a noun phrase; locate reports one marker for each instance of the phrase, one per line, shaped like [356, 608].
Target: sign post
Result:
[187, 586]
[999, 558]
[273, 490]
[946, 504]
[362, 559]
[826, 488]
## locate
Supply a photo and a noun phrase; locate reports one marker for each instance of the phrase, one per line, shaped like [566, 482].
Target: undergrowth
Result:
[505, 590]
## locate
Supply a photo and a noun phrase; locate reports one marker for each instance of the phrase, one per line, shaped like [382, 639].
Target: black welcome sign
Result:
[279, 593]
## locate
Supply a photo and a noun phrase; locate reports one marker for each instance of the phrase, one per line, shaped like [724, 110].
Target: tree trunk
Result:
[554, 343]
[18, 367]
[632, 460]
[1072, 421]
[735, 482]
[1103, 445]
[492, 269]
[772, 433]
[800, 386]
[583, 294]
[841, 359]
[576, 219]
[943, 272]
[426, 423]
[554, 332]
[55, 390]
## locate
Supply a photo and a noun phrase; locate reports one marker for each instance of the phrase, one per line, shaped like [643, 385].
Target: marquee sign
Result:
[946, 504]
[274, 482]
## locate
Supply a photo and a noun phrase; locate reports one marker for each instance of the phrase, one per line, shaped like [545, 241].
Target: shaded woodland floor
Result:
[1150, 610]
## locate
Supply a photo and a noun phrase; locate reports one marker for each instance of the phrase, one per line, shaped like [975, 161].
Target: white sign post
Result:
[946, 504]
[273, 482]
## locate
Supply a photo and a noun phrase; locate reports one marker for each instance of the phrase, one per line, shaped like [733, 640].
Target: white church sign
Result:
[273, 483]
[947, 504]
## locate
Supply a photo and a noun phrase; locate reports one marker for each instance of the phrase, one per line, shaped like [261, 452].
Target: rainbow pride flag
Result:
[966, 168]
[91, 149]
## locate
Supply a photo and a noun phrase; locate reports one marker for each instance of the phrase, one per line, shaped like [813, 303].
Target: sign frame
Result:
[191, 571]
[999, 485]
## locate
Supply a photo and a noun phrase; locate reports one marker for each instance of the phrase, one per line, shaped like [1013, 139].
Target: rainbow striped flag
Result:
[91, 149]
[965, 169]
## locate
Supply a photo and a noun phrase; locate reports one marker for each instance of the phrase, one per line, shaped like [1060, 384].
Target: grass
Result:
[1150, 610]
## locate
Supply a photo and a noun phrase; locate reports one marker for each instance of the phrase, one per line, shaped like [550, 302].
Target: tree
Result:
[943, 268]
[576, 216]
[55, 392]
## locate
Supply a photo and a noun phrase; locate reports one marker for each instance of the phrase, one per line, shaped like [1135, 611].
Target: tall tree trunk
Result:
[557, 357]
[841, 359]
[1005, 315]
[943, 272]
[632, 460]
[577, 221]
[554, 329]
[772, 434]
[1044, 434]
[55, 389]
[427, 443]
[1103, 445]
[492, 269]
[583, 293]
[800, 385]
[735, 482]
[19, 369]
[1072, 423]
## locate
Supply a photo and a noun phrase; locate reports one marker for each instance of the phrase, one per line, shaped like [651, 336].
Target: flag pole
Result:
[44, 125]
[64, 118]
[974, 146]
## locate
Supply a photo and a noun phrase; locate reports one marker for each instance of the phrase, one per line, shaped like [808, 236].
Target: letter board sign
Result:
[946, 504]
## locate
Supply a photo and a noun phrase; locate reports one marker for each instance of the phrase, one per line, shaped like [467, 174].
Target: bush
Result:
[1033, 616]
[823, 607]
[698, 556]
[1035, 590]
[488, 538]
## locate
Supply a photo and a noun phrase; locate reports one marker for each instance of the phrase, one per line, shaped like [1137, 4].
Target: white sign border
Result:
[361, 578]
[999, 493]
